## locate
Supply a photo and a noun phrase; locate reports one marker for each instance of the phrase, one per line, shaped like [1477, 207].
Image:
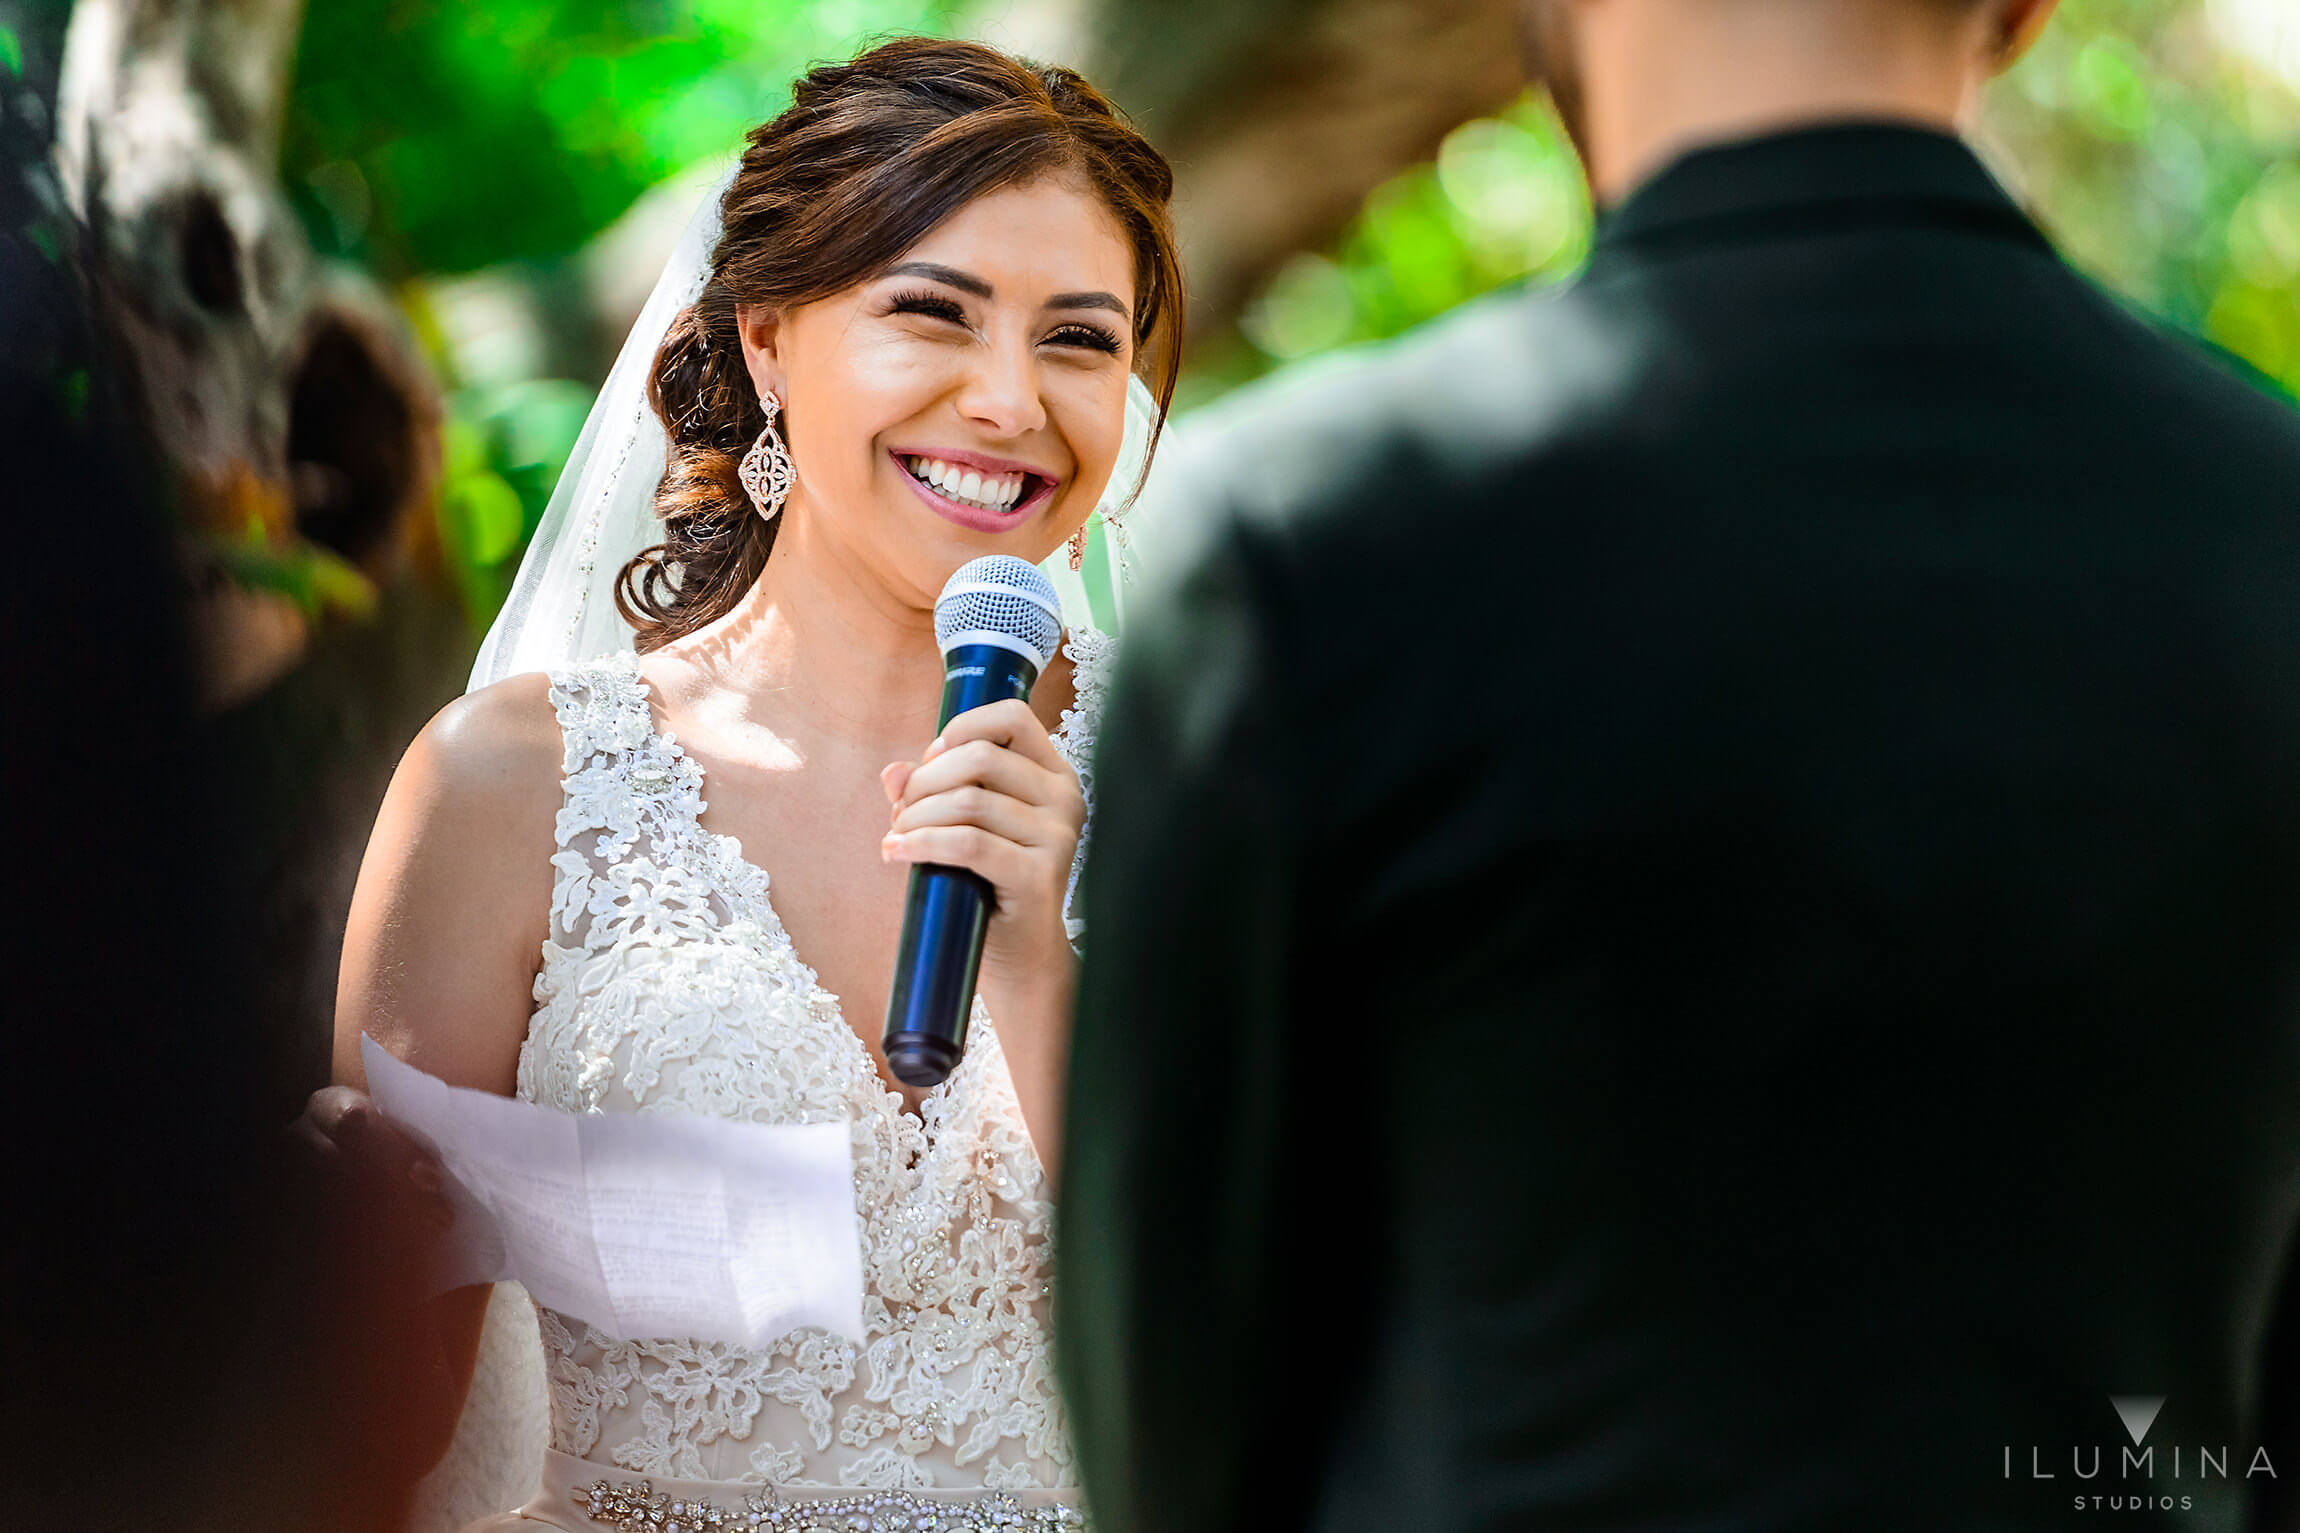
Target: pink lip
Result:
[974, 516]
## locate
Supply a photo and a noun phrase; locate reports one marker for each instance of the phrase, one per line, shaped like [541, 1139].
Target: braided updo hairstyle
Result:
[871, 155]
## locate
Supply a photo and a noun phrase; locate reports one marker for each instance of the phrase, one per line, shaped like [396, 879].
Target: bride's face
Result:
[968, 400]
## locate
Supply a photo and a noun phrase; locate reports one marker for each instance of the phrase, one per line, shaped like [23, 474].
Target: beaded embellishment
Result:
[634, 1507]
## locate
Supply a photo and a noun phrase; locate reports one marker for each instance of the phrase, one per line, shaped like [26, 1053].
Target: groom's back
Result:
[1815, 918]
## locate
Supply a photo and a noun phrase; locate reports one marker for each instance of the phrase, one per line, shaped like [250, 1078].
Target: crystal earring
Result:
[1078, 548]
[766, 472]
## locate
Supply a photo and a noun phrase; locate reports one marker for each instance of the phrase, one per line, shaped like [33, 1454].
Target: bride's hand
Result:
[992, 795]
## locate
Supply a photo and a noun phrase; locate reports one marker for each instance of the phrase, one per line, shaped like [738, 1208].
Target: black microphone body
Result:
[947, 910]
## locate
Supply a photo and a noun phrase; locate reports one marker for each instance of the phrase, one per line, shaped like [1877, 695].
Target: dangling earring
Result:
[766, 472]
[1078, 548]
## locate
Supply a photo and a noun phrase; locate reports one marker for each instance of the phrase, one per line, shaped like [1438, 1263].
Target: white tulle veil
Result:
[562, 605]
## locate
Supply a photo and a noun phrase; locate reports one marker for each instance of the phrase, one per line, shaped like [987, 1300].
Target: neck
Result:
[1661, 77]
[825, 654]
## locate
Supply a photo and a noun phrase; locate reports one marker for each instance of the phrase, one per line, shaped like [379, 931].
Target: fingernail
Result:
[933, 749]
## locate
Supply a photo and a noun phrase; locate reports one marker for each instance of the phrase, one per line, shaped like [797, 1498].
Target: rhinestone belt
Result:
[635, 1508]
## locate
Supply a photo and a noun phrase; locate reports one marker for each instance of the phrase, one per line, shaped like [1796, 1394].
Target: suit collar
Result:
[1831, 175]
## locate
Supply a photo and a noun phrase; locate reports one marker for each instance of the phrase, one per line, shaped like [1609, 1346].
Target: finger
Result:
[1008, 722]
[971, 847]
[984, 764]
[893, 776]
[349, 1123]
[315, 1143]
[1022, 823]
[335, 1110]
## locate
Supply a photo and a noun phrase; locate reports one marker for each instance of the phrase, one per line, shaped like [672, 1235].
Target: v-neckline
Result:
[755, 886]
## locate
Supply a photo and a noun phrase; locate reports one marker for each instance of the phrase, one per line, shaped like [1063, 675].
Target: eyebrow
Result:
[968, 282]
[1088, 301]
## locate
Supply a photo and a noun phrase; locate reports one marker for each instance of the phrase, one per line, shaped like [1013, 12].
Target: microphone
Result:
[998, 622]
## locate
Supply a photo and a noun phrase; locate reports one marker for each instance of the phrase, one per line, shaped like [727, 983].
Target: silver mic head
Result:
[999, 599]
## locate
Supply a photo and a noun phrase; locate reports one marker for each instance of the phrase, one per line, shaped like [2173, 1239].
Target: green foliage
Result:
[315, 579]
[504, 448]
[2164, 160]
[434, 136]
[1503, 201]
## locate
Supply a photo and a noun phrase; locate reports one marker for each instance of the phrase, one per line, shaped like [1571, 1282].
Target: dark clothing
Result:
[1696, 904]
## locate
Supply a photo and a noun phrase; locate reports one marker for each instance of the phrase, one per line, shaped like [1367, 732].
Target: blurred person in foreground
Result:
[180, 1345]
[1698, 903]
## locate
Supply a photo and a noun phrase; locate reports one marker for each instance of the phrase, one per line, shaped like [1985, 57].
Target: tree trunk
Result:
[299, 430]
[293, 415]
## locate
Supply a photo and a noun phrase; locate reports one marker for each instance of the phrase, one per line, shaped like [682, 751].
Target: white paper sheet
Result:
[643, 1224]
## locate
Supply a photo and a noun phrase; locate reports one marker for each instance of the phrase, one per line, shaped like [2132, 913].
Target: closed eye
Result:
[1091, 337]
[932, 305]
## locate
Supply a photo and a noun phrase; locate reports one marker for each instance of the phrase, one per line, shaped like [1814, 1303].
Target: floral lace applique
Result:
[1090, 660]
[669, 984]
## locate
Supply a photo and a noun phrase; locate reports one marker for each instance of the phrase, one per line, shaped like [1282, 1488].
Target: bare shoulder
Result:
[476, 799]
[452, 906]
[500, 744]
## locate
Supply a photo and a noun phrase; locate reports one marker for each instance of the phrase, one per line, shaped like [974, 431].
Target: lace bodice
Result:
[669, 984]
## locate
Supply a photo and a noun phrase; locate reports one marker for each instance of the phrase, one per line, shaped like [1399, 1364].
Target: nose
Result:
[1001, 390]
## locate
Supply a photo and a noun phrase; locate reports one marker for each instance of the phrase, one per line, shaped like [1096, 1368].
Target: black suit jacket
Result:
[1695, 909]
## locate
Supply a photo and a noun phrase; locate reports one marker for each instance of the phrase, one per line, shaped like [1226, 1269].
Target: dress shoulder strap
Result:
[1092, 652]
[626, 783]
[602, 709]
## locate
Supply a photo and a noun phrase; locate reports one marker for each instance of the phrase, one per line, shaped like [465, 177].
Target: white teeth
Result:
[994, 492]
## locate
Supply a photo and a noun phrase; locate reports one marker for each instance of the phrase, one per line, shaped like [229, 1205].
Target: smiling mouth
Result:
[997, 493]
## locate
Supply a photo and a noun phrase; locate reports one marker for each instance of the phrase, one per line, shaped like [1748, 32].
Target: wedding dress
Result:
[668, 984]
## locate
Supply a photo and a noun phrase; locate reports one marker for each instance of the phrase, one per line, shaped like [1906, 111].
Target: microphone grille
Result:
[999, 599]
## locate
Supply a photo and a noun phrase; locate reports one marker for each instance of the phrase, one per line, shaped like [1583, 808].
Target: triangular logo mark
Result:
[2137, 1412]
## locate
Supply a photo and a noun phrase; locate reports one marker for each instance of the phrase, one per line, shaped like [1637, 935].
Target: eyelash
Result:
[1093, 337]
[935, 306]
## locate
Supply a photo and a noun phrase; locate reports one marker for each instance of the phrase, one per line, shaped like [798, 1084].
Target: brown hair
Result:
[871, 155]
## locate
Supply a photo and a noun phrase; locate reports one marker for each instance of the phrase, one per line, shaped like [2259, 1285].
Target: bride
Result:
[913, 343]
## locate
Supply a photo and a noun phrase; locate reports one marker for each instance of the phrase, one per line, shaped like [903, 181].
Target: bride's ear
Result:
[760, 330]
